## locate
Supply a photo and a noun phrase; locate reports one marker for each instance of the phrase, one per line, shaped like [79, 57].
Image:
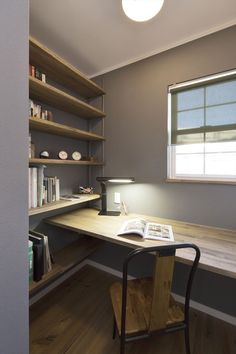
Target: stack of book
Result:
[37, 73]
[37, 111]
[42, 258]
[42, 190]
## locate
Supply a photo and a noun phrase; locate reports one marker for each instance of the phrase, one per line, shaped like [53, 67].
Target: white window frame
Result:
[171, 155]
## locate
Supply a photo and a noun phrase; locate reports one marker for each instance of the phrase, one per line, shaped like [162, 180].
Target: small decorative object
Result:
[63, 155]
[86, 190]
[76, 155]
[49, 116]
[92, 158]
[89, 158]
[44, 154]
[70, 197]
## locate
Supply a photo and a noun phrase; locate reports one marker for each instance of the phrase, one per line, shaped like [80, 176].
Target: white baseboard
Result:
[209, 310]
[193, 304]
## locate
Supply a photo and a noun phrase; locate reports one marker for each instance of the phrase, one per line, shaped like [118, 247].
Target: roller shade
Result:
[204, 110]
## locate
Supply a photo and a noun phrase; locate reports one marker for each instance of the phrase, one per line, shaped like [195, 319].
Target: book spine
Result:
[31, 108]
[45, 188]
[49, 190]
[38, 74]
[34, 187]
[33, 70]
[30, 188]
[57, 189]
[40, 177]
[43, 78]
[53, 189]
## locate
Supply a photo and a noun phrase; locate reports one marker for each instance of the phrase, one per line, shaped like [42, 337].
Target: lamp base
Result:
[109, 213]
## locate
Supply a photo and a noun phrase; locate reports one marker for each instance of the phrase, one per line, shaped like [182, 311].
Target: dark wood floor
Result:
[76, 318]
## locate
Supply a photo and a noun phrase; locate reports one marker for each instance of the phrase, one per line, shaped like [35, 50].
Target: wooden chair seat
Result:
[138, 308]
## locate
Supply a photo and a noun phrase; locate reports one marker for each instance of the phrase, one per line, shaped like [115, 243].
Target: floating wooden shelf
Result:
[65, 260]
[61, 71]
[37, 161]
[84, 198]
[62, 130]
[59, 99]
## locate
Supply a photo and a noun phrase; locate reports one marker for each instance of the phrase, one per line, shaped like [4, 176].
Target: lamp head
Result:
[115, 179]
[103, 181]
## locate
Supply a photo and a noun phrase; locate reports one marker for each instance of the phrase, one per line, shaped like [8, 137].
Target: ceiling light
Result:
[141, 10]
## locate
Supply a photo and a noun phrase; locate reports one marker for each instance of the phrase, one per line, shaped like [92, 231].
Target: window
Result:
[202, 129]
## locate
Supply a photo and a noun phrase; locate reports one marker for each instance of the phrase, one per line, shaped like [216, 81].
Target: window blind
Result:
[204, 110]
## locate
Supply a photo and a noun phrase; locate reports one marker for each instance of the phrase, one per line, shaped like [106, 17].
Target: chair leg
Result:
[114, 328]
[122, 345]
[187, 342]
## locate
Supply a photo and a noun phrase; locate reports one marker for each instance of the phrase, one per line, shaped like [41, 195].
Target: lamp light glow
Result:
[141, 10]
[117, 180]
[103, 181]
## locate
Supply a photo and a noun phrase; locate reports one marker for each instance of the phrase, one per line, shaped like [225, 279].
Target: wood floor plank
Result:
[76, 318]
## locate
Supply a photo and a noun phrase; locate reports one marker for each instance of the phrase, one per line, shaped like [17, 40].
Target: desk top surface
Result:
[218, 246]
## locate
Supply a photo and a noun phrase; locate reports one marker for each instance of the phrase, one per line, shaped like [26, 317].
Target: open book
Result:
[147, 230]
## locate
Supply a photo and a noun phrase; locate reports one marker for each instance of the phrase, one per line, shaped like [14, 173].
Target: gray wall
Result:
[13, 176]
[136, 131]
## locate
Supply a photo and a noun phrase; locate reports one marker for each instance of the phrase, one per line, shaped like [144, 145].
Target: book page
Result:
[159, 232]
[133, 226]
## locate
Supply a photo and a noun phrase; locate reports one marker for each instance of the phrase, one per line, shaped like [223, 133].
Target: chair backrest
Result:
[162, 280]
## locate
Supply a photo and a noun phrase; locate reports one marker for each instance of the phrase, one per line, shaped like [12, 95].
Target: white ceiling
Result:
[96, 36]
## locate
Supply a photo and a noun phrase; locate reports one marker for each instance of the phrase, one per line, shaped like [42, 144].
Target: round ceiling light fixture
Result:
[141, 10]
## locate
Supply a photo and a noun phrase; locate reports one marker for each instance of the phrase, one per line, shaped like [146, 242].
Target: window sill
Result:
[197, 181]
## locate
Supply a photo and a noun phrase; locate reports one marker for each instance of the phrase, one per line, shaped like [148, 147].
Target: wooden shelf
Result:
[59, 99]
[65, 260]
[63, 204]
[38, 161]
[62, 130]
[61, 71]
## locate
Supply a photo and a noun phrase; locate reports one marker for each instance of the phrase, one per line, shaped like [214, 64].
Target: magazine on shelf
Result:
[147, 230]
[70, 197]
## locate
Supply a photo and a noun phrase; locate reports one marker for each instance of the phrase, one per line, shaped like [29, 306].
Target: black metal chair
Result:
[145, 306]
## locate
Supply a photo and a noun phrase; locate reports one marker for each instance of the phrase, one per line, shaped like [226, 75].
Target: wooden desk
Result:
[218, 246]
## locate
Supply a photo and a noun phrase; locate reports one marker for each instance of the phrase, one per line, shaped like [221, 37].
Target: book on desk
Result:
[147, 230]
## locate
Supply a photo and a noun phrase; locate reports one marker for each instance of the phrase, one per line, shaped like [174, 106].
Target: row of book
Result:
[40, 257]
[37, 73]
[37, 111]
[42, 189]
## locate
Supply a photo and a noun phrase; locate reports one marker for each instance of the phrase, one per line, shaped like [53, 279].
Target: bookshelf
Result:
[59, 99]
[61, 71]
[63, 204]
[65, 260]
[62, 130]
[77, 102]
[38, 161]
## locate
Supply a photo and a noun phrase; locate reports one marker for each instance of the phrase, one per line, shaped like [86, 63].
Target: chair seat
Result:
[138, 309]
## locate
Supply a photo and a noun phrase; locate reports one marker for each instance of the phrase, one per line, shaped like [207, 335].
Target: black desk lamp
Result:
[103, 181]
